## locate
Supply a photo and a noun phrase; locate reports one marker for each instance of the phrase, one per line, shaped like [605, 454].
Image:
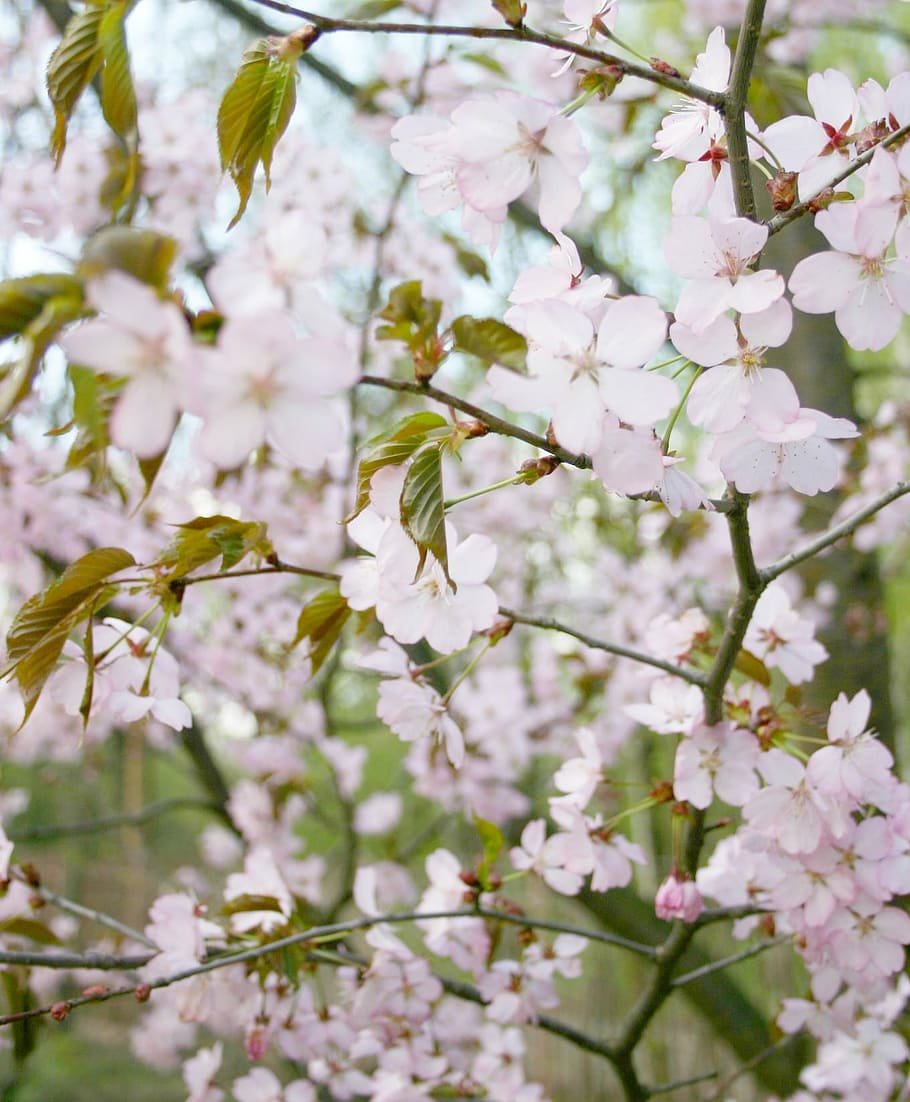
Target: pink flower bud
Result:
[678, 899]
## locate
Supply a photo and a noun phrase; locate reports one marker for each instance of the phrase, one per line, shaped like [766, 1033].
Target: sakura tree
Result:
[472, 584]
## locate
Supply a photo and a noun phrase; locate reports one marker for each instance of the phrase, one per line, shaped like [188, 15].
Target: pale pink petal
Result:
[823, 282]
[633, 330]
[307, 433]
[144, 417]
[717, 342]
[637, 397]
[870, 318]
[230, 434]
[756, 291]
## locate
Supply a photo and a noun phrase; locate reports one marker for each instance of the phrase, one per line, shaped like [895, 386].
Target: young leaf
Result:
[201, 540]
[256, 109]
[42, 625]
[321, 621]
[143, 254]
[71, 68]
[414, 320]
[393, 449]
[512, 11]
[423, 507]
[749, 664]
[22, 300]
[37, 336]
[493, 842]
[118, 97]
[489, 340]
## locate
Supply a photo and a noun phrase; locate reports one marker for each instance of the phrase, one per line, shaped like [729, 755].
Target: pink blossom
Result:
[715, 257]
[783, 639]
[678, 899]
[719, 759]
[144, 339]
[867, 291]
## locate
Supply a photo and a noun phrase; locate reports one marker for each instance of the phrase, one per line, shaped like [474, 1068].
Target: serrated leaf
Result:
[492, 840]
[37, 336]
[423, 507]
[747, 663]
[255, 112]
[42, 625]
[321, 621]
[490, 340]
[204, 539]
[118, 96]
[22, 300]
[71, 68]
[143, 254]
[393, 449]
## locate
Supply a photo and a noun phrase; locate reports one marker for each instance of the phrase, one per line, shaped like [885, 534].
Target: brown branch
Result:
[838, 532]
[327, 25]
[549, 624]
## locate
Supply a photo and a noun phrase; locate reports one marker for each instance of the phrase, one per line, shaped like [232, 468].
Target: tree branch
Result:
[493, 423]
[838, 532]
[53, 831]
[785, 217]
[734, 108]
[328, 25]
[725, 962]
[548, 624]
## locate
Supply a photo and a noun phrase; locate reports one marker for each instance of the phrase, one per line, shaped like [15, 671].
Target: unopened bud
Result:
[782, 188]
[60, 1011]
[469, 877]
[142, 993]
[660, 66]
[662, 792]
[95, 991]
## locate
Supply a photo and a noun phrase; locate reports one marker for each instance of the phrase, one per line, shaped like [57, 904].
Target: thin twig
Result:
[734, 958]
[685, 673]
[495, 424]
[106, 962]
[81, 911]
[785, 217]
[838, 532]
[328, 25]
[53, 831]
[638, 947]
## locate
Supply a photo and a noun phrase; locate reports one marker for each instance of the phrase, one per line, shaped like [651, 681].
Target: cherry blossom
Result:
[144, 339]
[715, 255]
[867, 291]
[678, 899]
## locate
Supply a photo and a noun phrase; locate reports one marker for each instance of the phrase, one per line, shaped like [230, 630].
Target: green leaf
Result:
[118, 97]
[42, 625]
[373, 9]
[471, 263]
[203, 539]
[22, 300]
[94, 395]
[512, 11]
[321, 621]
[423, 507]
[393, 449]
[753, 667]
[412, 318]
[28, 927]
[490, 340]
[255, 112]
[71, 68]
[37, 336]
[493, 842]
[143, 254]
[244, 903]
